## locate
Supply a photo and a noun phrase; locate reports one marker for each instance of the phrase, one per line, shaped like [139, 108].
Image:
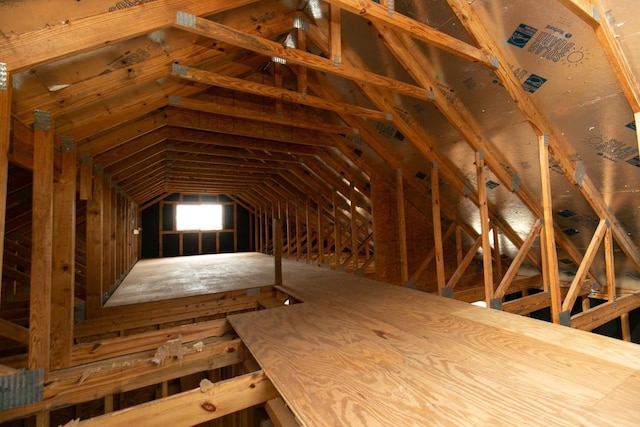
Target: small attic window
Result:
[198, 217]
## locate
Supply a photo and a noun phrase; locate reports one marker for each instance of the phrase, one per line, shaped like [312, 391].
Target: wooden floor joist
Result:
[197, 406]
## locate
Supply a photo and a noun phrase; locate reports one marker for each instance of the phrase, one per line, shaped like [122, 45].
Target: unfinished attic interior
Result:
[416, 212]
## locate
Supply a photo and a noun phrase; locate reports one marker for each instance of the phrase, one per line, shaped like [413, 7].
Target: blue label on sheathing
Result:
[522, 35]
[631, 125]
[533, 83]
[635, 161]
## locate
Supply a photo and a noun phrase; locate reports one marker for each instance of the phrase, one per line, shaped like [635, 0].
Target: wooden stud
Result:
[337, 232]
[609, 264]
[107, 223]
[497, 259]
[308, 227]
[624, 324]
[437, 227]
[278, 84]
[41, 252]
[402, 227]
[335, 36]
[298, 232]
[459, 254]
[302, 70]
[636, 116]
[94, 275]
[320, 234]
[108, 403]
[288, 227]
[63, 274]
[355, 252]
[5, 130]
[550, 257]
[485, 228]
[277, 250]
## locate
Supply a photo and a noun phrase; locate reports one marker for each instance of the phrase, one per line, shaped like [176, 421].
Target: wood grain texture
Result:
[402, 357]
[41, 255]
[63, 273]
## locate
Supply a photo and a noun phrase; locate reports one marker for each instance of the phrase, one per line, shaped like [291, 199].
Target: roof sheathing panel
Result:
[560, 63]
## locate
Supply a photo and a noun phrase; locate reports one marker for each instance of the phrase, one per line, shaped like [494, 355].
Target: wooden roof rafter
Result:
[269, 48]
[210, 78]
[70, 38]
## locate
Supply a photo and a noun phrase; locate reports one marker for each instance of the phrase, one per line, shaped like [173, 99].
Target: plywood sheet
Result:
[359, 352]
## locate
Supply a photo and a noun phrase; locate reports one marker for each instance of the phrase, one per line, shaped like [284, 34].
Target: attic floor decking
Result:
[359, 352]
[167, 278]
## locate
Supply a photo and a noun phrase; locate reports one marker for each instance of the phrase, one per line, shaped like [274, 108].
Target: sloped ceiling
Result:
[166, 105]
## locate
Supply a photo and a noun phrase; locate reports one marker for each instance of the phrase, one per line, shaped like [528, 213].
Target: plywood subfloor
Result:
[167, 278]
[361, 353]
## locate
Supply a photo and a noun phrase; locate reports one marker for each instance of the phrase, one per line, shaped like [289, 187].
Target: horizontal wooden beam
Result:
[269, 48]
[13, 331]
[247, 86]
[113, 347]
[606, 312]
[196, 406]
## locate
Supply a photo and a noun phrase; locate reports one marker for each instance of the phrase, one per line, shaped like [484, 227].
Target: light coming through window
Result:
[198, 217]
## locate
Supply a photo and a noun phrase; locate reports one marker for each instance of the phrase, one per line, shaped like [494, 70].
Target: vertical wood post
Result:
[288, 227]
[277, 249]
[307, 219]
[437, 227]
[94, 245]
[64, 250]
[459, 254]
[550, 256]
[320, 233]
[107, 222]
[609, 264]
[86, 175]
[41, 240]
[485, 228]
[354, 228]
[402, 228]
[335, 36]
[636, 116]
[298, 231]
[302, 70]
[336, 230]
[496, 255]
[5, 129]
